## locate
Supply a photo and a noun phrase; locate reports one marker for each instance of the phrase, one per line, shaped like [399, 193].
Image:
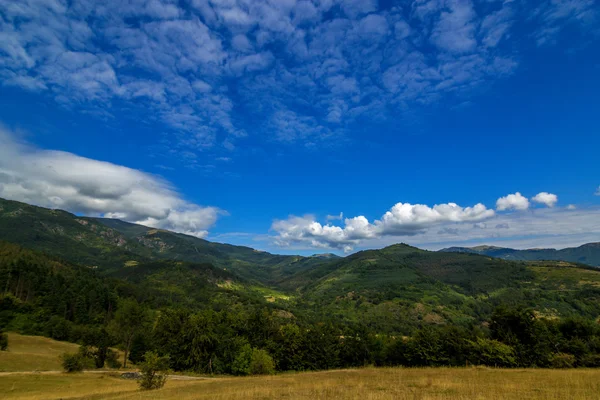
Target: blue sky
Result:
[309, 126]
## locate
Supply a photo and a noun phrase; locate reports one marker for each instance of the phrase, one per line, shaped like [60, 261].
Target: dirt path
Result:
[173, 377]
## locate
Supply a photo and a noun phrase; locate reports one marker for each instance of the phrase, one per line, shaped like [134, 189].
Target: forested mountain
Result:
[111, 244]
[586, 254]
[206, 303]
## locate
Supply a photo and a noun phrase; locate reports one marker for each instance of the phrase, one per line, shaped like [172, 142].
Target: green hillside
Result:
[112, 244]
[399, 288]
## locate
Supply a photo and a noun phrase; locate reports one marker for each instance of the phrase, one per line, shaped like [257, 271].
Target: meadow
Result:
[363, 384]
[31, 370]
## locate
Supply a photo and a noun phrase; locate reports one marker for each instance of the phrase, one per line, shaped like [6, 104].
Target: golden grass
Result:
[33, 353]
[36, 353]
[362, 384]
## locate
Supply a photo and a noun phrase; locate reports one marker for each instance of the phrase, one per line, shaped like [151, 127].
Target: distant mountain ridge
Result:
[585, 254]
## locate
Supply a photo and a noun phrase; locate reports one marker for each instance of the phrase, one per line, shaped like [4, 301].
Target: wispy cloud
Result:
[306, 69]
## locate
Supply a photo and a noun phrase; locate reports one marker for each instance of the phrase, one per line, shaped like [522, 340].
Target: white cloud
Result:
[514, 201]
[571, 207]
[547, 227]
[546, 198]
[403, 219]
[63, 180]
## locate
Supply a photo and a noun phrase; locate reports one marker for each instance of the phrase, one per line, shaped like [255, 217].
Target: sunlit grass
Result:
[362, 384]
[35, 353]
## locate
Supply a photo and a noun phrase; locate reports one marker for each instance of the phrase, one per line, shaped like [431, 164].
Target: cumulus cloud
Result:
[403, 219]
[547, 227]
[63, 180]
[514, 201]
[571, 207]
[545, 198]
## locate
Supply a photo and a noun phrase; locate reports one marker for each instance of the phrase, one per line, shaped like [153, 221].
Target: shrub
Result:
[3, 341]
[562, 360]
[72, 362]
[493, 353]
[153, 371]
[261, 363]
[252, 361]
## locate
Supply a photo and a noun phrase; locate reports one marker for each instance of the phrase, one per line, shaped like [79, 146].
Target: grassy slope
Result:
[33, 353]
[384, 383]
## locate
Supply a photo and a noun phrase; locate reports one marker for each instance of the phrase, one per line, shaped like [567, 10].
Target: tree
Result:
[154, 370]
[130, 318]
[98, 342]
[261, 363]
[241, 364]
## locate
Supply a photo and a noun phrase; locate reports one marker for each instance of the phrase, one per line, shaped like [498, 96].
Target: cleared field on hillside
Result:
[362, 384]
[35, 353]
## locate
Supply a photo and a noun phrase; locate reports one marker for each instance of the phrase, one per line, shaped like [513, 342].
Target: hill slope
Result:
[586, 254]
[112, 244]
[399, 288]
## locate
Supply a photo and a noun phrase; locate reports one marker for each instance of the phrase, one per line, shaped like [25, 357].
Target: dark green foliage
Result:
[3, 341]
[153, 371]
[73, 362]
[139, 347]
[130, 319]
[97, 341]
[112, 359]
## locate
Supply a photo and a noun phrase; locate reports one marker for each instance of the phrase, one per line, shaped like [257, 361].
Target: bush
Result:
[562, 360]
[493, 353]
[3, 341]
[72, 362]
[112, 359]
[252, 361]
[262, 363]
[153, 371]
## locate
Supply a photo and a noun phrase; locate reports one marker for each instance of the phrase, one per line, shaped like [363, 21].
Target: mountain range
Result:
[393, 290]
[585, 254]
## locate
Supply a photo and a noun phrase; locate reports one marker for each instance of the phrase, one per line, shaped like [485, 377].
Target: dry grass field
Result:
[362, 384]
[32, 353]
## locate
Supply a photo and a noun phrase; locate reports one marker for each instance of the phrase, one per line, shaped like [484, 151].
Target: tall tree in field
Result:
[130, 319]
